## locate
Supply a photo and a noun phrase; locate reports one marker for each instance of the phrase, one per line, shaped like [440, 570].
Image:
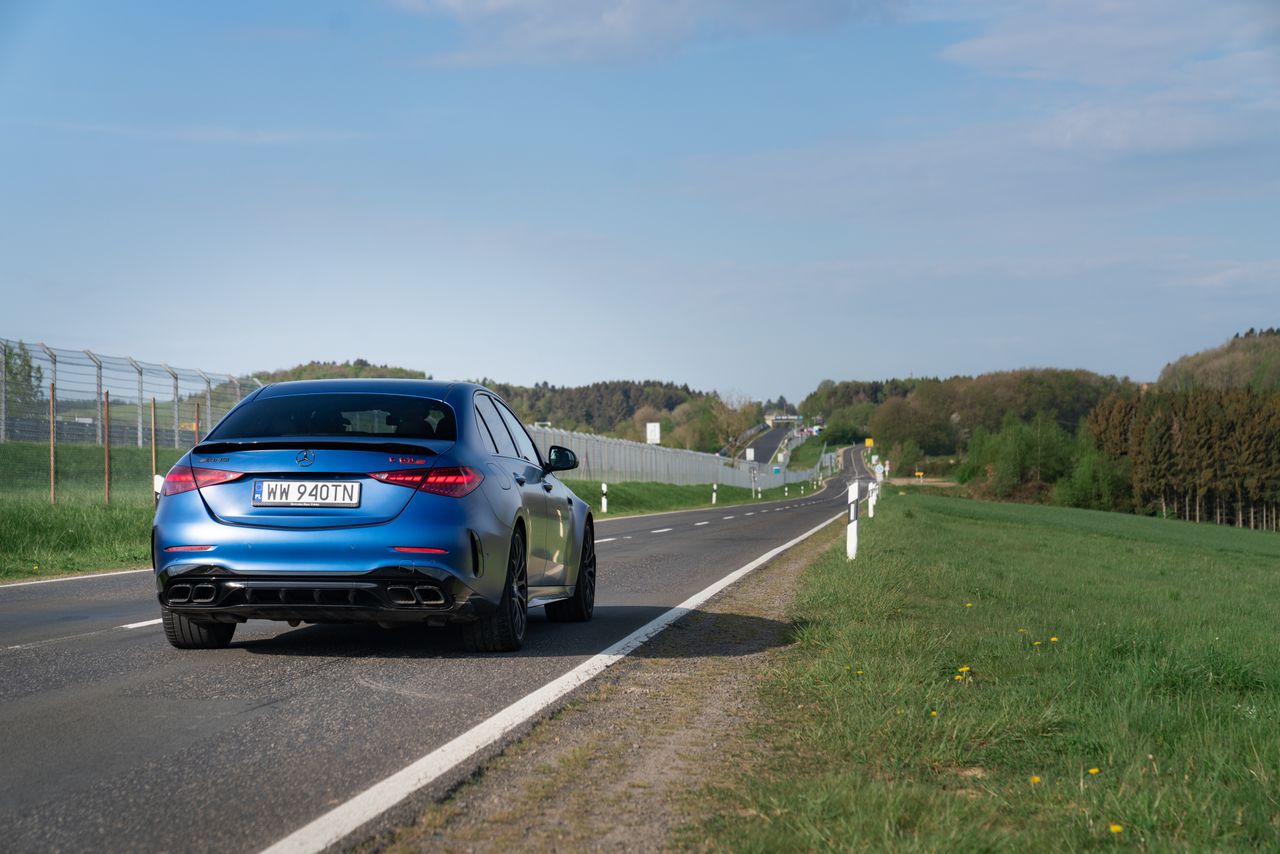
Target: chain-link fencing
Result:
[79, 426]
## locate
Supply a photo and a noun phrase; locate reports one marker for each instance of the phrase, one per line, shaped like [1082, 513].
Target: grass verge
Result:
[806, 454]
[1003, 677]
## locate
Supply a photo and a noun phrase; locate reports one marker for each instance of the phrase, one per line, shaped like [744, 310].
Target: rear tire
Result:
[504, 629]
[186, 633]
[579, 607]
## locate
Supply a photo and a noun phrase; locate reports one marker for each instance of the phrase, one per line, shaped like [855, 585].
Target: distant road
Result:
[766, 443]
[112, 740]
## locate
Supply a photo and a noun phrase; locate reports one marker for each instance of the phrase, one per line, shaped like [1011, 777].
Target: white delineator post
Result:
[872, 491]
[786, 491]
[713, 495]
[851, 544]
[604, 498]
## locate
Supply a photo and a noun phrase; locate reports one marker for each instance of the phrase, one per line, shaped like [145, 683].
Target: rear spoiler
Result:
[315, 445]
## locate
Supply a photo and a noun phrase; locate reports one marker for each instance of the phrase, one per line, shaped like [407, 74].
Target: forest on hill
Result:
[1201, 444]
[690, 419]
[938, 417]
[1249, 360]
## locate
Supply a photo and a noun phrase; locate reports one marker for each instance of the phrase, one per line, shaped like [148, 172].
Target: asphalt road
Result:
[112, 740]
[766, 444]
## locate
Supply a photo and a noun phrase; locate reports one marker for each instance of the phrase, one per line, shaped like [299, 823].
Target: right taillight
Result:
[452, 481]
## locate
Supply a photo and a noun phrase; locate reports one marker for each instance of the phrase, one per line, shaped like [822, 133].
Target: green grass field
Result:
[994, 677]
[805, 455]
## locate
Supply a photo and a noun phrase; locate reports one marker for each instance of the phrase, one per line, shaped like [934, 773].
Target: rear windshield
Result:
[340, 415]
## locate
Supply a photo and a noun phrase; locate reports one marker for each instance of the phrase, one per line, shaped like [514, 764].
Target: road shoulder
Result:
[624, 765]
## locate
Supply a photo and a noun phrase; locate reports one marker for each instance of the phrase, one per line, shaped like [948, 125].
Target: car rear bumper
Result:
[389, 596]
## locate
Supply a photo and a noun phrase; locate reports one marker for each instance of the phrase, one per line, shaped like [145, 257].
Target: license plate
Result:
[306, 493]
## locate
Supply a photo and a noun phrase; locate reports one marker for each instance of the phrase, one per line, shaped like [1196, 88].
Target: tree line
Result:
[1203, 455]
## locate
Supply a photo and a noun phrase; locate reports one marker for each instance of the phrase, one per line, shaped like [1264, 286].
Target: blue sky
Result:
[743, 195]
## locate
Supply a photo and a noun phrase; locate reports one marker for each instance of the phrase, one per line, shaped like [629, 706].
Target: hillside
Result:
[336, 370]
[1250, 360]
[616, 407]
[939, 415]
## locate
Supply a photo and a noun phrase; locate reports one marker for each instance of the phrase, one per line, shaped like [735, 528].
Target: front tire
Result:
[579, 607]
[503, 630]
[186, 633]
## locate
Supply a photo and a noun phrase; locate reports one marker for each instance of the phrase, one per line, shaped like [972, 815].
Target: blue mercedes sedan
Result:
[378, 501]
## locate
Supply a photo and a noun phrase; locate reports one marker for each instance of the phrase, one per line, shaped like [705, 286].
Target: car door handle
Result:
[519, 478]
[548, 487]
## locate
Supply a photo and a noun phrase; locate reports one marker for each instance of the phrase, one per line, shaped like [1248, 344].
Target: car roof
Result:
[438, 389]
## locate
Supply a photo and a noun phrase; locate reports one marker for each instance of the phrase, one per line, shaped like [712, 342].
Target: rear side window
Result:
[404, 416]
[523, 443]
[492, 421]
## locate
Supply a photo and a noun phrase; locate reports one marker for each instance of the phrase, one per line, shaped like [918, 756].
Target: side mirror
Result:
[561, 459]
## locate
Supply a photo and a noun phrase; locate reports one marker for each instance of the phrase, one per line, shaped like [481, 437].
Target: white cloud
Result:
[1152, 76]
[556, 31]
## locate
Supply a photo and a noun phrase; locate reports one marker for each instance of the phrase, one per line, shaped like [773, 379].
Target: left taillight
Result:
[186, 478]
[451, 481]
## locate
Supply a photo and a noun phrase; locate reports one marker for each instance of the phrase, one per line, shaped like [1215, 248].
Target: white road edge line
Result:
[660, 531]
[606, 539]
[71, 578]
[339, 822]
[154, 622]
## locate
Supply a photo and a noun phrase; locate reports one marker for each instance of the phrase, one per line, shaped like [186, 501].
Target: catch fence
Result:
[81, 426]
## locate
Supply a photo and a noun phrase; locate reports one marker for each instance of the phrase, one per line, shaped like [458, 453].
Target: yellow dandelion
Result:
[1022, 631]
[1094, 771]
[933, 713]
[964, 668]
[1035, 779]
[1053, 639]
[959, 677]
[857, 672]
[1117, 828]
[1035, 643]
[968, 604]
[899, 712]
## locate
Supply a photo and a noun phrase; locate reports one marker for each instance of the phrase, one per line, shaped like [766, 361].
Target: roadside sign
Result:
[751, 455]
[653, 433]
[871, 443]
[879, 469]
[777, 469]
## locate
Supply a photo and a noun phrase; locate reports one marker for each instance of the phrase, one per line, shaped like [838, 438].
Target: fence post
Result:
[53, 394]
[4, 390]
[153, 439]
[195, 430]
[97, 366]
[138, 368]
[235, 388]
[208, 400]
[106, 441]
[174, 374]
[53, 379]
[851, 541]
